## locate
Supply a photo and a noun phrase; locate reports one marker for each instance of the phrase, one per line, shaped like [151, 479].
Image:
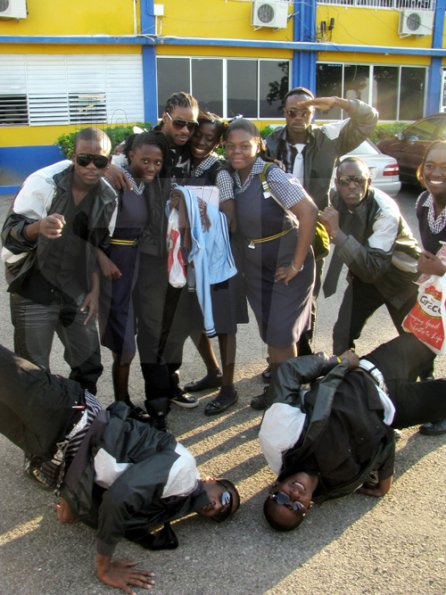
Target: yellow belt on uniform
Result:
[252, 243]
[117, 242]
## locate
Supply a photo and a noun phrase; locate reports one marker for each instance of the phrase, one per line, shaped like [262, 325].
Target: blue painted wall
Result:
[18, 162]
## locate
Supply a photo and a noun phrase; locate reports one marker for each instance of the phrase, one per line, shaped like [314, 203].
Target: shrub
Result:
[387, 130]
[116, 133]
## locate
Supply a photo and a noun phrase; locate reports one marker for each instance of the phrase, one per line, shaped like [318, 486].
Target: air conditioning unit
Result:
[416, 22]
[13, 9]
[270, 13]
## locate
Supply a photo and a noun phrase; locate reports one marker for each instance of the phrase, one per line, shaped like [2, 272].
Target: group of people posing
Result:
[139, 247]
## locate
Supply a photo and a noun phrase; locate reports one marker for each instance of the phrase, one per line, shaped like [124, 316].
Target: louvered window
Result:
[42, 90]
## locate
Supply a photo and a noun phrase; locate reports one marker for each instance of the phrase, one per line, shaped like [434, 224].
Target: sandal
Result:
[224, 400]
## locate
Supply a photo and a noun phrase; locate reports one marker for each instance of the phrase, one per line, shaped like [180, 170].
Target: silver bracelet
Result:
[295, 269]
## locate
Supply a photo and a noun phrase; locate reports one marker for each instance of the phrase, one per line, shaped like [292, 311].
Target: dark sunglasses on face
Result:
[84, 159]
[226, 502]
[346, 180]
[179, 124]
[293, 113]
[284, 500]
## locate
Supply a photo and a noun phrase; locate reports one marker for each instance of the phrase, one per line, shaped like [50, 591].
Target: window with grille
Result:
[44, 90]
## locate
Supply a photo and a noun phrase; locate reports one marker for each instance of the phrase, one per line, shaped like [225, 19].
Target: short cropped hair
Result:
[298, 91]
[94, 135]
[354, 159]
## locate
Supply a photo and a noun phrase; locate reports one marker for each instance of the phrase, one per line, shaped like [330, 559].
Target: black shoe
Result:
[226, 397]
[182, 399]
[159, 422]
[208, 381]
[435, 428]
[137, 413]
[262, 401]
[158, 410]
[266, 374]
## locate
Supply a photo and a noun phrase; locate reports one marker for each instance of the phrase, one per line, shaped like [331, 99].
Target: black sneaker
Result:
[183, 399]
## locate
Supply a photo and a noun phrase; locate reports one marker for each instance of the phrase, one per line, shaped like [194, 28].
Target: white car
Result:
[384, 169]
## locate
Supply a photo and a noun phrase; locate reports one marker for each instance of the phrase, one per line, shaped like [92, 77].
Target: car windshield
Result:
[423, 130]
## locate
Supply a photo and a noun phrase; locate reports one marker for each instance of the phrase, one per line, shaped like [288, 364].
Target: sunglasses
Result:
[293, 113]
[178, 123]
[346, 180]
[284, 500]
[226, 502]
[84, 159]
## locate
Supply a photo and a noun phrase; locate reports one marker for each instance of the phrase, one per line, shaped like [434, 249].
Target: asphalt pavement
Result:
[357, 544]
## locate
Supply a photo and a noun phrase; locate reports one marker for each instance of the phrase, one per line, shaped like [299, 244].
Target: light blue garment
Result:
[210, 253]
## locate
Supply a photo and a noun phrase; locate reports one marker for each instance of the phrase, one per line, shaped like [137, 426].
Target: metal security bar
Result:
[394, 4]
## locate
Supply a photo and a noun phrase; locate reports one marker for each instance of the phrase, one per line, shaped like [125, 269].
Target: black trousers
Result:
[36, 407]
[156, 309]
[360, 301]
[401, 361]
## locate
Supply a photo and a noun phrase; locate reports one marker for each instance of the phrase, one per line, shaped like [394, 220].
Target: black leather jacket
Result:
[19, 252]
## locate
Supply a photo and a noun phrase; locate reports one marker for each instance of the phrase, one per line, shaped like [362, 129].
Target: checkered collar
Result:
[436, 224]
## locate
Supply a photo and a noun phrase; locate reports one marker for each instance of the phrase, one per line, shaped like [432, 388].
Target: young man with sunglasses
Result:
[61, 216]
[112, 472]
[372, 238]
[178, 124]
[310, 151]
[338, 437]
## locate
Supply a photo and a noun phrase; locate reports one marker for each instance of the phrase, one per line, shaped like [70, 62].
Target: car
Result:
[384, 169]
[408, 147]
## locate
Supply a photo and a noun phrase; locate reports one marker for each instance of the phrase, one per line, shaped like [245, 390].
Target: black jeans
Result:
[36, 407]
[401, 361]
[360, 301]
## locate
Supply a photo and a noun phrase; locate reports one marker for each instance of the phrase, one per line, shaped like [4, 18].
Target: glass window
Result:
[207, 84]
[254, 88]
[412, 93]
[385, 91]
[398, 92]
[242, 88]
[173, 75]
[357, 82]
[274, 77]
[329, 84]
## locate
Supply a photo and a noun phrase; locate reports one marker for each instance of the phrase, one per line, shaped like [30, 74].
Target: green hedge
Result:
[116, 133]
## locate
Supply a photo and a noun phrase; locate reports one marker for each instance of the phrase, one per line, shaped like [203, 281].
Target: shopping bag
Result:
[427, 318]
[175, 262]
